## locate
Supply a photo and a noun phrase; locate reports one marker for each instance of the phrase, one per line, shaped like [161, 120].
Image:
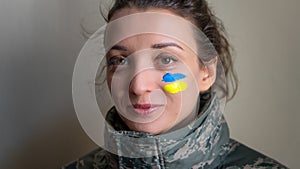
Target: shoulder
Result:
[241, 156]
[94, 159]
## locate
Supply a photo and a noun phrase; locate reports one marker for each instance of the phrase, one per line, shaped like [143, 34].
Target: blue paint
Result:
[169, 77]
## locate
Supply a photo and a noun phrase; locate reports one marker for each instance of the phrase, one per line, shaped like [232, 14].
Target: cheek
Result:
[185, 95]
[108, 81]
[174, 102]
[109, 78]
[183, 103]
[195, 70]
[173, 107]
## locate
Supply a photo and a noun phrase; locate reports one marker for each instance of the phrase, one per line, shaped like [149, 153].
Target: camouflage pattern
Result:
[204, 144]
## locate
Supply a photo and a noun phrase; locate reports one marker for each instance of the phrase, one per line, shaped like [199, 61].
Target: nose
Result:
[142, 83]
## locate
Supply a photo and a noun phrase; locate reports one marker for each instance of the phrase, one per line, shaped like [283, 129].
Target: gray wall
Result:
[265, 112]
[39, 43]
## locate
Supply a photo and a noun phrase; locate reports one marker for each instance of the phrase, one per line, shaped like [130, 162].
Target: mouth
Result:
[145, 109]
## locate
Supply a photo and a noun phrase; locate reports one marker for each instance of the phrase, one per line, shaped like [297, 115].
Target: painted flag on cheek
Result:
[176, 86]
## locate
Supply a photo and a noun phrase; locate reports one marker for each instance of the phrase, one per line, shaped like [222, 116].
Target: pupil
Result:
[166, 60]
[122, 61]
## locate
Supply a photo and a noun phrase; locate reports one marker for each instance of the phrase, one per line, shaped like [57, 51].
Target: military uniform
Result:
[203, 144]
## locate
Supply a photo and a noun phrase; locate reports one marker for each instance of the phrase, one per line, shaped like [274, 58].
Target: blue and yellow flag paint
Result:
[175, 85]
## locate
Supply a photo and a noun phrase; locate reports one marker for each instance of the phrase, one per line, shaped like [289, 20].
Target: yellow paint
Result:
[175, 87]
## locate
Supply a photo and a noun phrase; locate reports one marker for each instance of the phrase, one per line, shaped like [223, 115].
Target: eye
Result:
[166, 59]
[117, 60]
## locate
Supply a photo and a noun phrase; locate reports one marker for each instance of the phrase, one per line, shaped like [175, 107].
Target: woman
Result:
[166, 68]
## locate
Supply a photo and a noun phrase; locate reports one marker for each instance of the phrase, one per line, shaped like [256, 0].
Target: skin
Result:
[179, 108]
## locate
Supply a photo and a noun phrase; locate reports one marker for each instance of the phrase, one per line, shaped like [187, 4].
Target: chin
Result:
[158, 126]
[152, 128]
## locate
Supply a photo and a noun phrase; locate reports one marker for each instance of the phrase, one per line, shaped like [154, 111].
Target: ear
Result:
[208, 75]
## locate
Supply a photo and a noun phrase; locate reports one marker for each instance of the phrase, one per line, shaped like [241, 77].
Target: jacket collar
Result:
[197, 145]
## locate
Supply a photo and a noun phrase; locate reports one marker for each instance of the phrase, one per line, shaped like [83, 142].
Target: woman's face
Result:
[154, 79]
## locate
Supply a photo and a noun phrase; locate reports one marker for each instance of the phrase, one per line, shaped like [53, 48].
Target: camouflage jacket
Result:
[203, 144]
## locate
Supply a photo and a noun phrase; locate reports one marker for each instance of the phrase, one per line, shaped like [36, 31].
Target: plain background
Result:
[39, 44]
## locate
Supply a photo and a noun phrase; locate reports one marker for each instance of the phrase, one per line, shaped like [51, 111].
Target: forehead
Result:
[150, 40]
[141, 29]
[160, 26]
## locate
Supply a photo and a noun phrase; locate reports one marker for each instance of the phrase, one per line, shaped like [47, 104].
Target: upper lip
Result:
[142, 106]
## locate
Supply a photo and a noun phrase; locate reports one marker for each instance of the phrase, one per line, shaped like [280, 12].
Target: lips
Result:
[142, 106]
[145, 109]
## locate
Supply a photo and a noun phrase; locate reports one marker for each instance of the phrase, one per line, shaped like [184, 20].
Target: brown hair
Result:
[202, 16]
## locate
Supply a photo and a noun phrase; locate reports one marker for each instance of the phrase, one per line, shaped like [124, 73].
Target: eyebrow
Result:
[164, 45]
[155, 46]
[119, 47]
